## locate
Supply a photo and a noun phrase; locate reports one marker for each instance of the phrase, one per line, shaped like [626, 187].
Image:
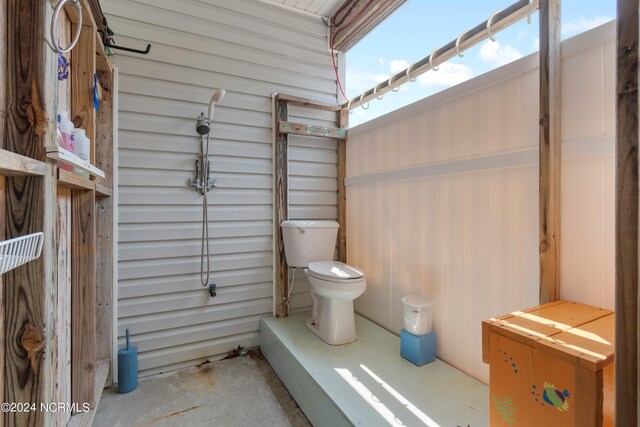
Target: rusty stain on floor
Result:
[241, 390]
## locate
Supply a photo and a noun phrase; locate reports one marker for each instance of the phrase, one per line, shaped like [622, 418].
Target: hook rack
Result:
[434, 67]
[107, 40]
[490, 23]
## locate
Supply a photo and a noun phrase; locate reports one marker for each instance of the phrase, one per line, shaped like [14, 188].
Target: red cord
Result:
[332, 39]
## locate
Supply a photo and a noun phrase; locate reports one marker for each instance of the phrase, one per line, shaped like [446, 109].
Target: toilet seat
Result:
[334, 271]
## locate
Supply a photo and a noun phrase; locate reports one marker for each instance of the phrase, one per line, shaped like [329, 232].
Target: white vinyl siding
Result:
[442, 198]
[251, 49]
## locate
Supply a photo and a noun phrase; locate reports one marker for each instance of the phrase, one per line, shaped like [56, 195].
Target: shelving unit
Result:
[57, 308]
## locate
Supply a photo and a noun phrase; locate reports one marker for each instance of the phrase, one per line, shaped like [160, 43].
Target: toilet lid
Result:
[334, 270]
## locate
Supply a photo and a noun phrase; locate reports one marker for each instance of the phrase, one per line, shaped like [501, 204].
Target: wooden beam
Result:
[626, 233]
[85, 419]
[104, 222]
[30, 292]
[281, 208]
[343, 122]
[304, 102]
[286, 127]
[12, 164]
[74, 181]
[82, 72]
[550, 143]
[355, 19]
[83, 297]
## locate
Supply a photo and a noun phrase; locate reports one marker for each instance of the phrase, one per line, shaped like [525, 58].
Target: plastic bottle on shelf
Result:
[82, 148]
[64, 136]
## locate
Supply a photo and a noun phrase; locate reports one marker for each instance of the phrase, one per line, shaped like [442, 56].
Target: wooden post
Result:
[343, 123]
[550, 143]
[83, 297]
[3, 67]
[626, 238]
[30, 301]
[282, 208]
[104, 222]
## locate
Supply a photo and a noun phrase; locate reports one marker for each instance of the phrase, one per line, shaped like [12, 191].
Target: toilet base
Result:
[336, 323]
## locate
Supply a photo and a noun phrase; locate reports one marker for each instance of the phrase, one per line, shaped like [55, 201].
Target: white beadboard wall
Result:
[251, 49]
[442, 198]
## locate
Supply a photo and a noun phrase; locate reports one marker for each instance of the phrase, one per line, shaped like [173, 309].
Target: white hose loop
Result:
[460, 54]
[54, 25]
[490, 23]
[409, 70]
[529, 11]
[375, 91]
[393, 89]
[431, 59]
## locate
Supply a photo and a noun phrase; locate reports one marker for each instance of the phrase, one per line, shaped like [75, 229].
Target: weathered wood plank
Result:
[311, 130]
[71, 180]
[30, 293]
[626, 233]
[63, 391]
[550, 143]
[83, 297]
[304, 102]
[3, 108]
[12, 164]
[343, 122]
[82, 72]
[355, 19]
[104, 222]
[85, 419]
[281, 209]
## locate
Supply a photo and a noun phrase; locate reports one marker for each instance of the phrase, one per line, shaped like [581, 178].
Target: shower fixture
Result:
[203, 183]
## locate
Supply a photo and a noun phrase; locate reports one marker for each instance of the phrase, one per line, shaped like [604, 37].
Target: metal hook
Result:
[460, 54]
[431, 58]
[362, 103]
[375, 90]
[409, 70]
[490, 23]
[349, 106]
[529, 12]
[393, 89]
[54, 26]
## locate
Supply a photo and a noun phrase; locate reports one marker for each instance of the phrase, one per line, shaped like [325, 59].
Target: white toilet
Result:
[334, 285]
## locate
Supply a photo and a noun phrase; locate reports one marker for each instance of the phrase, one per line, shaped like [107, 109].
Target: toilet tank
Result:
[307, 241]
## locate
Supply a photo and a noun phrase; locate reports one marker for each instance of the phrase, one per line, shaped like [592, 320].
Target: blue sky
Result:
[420, 26]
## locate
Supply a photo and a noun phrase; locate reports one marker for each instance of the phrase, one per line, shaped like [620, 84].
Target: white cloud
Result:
[381, 61]
[583, 24]
[496, 54]
[448, 74]
[357, 82]
[397, 65]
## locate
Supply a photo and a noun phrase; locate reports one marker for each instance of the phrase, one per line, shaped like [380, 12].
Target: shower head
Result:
[203, 126]
[215, 98]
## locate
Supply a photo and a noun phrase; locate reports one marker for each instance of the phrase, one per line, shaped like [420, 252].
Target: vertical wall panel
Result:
[473, 228]
[251, 49]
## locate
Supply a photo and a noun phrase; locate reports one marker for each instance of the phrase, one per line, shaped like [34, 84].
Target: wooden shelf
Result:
[12, 164]
[74, 181]
[102, 191]
[64, 156]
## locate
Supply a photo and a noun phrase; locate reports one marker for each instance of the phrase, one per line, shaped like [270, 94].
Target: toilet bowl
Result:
[334, 285]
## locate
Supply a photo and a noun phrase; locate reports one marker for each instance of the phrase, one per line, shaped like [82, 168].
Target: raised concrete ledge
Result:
[367, 382]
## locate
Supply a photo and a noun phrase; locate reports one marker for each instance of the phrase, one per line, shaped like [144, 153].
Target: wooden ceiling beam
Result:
[356, 18]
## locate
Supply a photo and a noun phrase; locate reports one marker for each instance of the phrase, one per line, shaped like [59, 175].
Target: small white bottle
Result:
[66, 130]
[82, 148]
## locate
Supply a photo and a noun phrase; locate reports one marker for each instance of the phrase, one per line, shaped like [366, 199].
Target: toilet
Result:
[334, 285]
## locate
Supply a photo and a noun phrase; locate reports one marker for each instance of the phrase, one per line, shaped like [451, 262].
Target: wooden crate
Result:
[551, 365]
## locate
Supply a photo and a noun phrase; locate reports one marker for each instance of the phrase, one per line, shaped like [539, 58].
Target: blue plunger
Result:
[127, 367]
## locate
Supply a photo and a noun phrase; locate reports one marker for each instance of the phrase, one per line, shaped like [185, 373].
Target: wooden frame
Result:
[281, 186]
[550, 153]
[627, 215]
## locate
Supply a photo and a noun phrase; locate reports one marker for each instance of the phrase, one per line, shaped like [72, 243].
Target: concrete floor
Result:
[239, 391]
